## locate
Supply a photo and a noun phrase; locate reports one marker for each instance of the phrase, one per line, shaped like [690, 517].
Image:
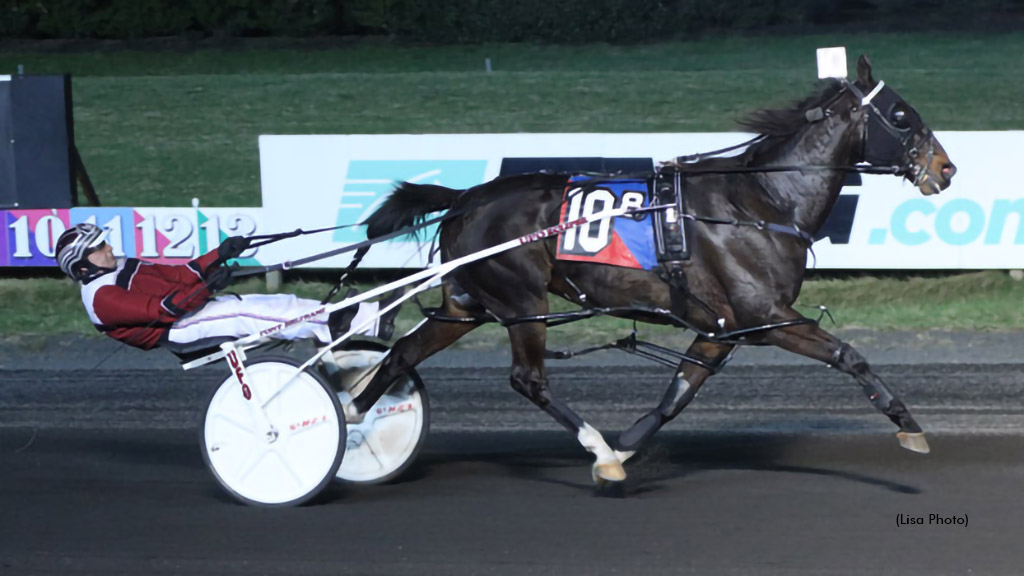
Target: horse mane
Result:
[775, 125]
[782, 123]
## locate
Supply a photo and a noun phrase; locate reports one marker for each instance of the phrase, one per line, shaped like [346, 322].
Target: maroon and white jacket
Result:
[139, 301]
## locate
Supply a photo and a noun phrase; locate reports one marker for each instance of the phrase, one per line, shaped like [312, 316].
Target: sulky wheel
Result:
[282, 454]
[391, 434]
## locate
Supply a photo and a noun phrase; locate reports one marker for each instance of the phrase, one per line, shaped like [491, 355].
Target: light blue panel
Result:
[368, 182]
[120, 221]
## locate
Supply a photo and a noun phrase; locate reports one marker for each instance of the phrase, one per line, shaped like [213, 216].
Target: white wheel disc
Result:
[391, 433]
[387, 437]
[293, 459]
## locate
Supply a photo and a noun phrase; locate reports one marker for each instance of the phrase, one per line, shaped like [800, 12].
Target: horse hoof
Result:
[624, 455]
[913, 441]
[605, 472]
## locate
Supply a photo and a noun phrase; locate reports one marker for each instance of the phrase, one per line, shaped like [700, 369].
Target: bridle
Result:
[894, 145]
[887, 148]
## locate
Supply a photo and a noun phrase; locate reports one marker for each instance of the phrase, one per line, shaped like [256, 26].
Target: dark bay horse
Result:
[744, 276]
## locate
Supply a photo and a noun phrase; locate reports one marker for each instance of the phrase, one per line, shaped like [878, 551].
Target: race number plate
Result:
[624, 241]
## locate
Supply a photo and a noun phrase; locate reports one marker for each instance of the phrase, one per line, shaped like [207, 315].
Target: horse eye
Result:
[899, 118]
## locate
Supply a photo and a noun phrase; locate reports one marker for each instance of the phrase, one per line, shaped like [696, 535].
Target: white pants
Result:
[229, 316]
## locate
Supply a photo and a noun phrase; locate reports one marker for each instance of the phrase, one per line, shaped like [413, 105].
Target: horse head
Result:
[896, 136]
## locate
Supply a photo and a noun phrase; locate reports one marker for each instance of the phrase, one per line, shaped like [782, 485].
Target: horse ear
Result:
[864, 72]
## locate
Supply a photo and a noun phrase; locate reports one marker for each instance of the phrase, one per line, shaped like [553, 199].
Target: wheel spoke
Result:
[288, 468]
[247, 470]
[378, 452]
[235, 423]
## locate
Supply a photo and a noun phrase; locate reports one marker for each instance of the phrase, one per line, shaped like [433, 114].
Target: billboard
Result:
[879, 222]
[167, 235]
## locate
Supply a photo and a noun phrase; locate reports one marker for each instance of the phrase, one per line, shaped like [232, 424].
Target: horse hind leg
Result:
[428, 338]
[706, 357]
[811, 341]
[529, 378]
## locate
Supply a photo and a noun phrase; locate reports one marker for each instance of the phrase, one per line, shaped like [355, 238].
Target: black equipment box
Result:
[37, 142]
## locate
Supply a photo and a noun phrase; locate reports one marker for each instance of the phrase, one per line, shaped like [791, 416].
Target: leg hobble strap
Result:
[678, 395]
[847, 359]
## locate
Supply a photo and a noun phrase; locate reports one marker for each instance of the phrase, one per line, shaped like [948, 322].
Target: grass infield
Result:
[160, 125]
[157, 128]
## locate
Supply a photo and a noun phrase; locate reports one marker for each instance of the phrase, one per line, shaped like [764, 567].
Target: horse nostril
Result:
[948, 170]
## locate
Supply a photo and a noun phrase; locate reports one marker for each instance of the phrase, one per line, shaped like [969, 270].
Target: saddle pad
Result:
[620, 241]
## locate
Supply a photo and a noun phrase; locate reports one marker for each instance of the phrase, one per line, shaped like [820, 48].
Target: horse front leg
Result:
[706, 357]
[811, 341]
[529, 378]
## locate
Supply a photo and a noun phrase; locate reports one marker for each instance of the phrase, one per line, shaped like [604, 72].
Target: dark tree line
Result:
[470, 21]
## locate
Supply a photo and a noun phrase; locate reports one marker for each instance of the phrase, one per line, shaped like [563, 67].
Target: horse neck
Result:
[808, 197]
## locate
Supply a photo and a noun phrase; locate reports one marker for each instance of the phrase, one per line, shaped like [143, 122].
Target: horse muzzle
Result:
[933, 172]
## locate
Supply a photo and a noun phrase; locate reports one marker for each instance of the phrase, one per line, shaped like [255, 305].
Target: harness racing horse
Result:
[736, 277]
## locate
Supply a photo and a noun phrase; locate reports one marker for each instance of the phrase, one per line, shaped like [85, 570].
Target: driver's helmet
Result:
[74, 247]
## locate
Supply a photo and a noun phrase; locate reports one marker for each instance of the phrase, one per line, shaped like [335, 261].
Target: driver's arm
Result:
[115, 306]
[190, 273]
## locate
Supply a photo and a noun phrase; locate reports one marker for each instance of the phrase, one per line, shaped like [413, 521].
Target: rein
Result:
[361, 246]
[858, 168]
[264, 239]
[759, 224]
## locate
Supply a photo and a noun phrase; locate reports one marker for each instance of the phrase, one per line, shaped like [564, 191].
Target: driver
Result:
[147, 305]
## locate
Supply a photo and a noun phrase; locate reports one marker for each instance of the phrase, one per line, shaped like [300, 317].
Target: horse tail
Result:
[407, 205]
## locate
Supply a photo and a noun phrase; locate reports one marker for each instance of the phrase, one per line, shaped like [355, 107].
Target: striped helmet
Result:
[74, 247]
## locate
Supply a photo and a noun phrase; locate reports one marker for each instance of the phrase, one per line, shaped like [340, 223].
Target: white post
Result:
[832, 62]
[274, 281]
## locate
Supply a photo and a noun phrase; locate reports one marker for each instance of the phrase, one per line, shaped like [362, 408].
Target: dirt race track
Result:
[779, 467]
